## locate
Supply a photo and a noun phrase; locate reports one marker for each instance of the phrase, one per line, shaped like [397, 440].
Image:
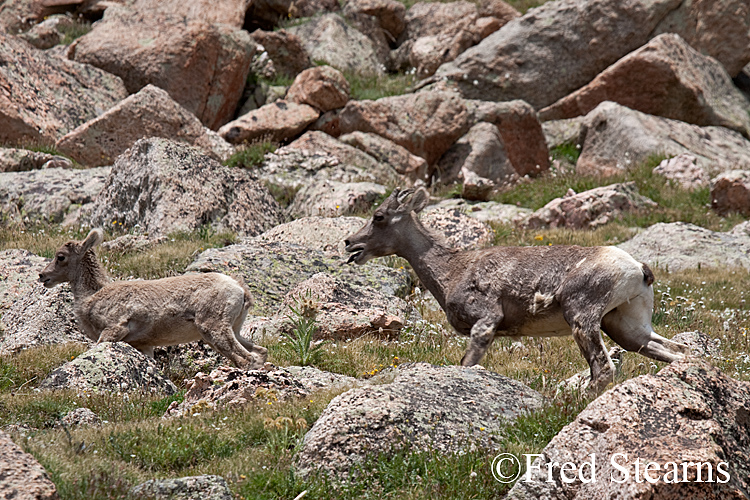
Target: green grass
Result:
[74, 31]
[250, 155]
[372, 87]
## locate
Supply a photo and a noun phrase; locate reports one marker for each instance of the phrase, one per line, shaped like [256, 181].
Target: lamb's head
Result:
[69, 258]
[391, 225]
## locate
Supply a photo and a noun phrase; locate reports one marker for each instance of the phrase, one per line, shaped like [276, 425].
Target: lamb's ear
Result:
[414, 200]
[94, 237]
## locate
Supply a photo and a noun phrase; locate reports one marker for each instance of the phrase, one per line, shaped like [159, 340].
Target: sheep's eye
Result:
[378, 218]
[60, 258]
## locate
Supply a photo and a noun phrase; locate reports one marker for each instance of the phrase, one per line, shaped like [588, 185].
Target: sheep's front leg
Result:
[592, 347]
[482, 335]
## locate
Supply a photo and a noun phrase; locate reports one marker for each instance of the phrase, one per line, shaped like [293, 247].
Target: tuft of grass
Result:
[568, 152]
[26, 369]
[74, 31]
[251, 155]
[372, 87]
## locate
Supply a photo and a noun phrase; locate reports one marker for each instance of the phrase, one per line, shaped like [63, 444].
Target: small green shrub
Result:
[74, 31]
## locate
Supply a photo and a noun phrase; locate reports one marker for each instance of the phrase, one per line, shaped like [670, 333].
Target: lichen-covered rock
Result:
[149, 113]
[689, 412]
[47, 96]
[21, 160]
[426, 407]
[21, 476]
[730, 192]
[49, 195]
[329, 198]
[700, 344]
[683, 170]
[456, 228]
[323, 234]
[590, 209]
[317, 156]
[345, 310]
[484, 211]
[207, 487]
[202, 66]
[19, 270]
[165, 186]
[81, 417]
[41, 316]
[314, 379]
[230, 12]
[110, 367]
[271, 270]
[231, 388]
[678, 245]
[614, 138]
[330, 39]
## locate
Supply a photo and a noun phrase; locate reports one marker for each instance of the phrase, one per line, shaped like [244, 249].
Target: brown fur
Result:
[526, 291]
[150, 313]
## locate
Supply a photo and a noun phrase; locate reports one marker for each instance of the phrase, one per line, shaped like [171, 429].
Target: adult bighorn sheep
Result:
[523, 291]
[150, 313]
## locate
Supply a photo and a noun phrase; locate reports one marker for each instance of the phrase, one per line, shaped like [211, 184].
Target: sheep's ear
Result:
[413, 200]
[94, 237]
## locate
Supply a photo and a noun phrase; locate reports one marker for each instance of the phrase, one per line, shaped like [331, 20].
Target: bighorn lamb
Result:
[523, 291]
[151, 313]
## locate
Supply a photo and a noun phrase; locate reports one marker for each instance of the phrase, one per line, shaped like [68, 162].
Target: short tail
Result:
[248, 298]
[648, 275]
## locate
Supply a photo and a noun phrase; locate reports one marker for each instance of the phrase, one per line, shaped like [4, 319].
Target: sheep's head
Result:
[66, 264]
[391, 223]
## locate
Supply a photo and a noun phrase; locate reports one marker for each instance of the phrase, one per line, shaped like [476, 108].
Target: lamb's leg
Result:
[482, 335]
[629, 324]
[220, 335]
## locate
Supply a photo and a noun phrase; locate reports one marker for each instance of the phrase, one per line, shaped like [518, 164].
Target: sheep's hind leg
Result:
[482, 335]
[629, 325]
[220, 335]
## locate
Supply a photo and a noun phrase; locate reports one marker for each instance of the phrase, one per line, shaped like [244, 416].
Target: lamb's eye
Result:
[60, 258]
[378, 218]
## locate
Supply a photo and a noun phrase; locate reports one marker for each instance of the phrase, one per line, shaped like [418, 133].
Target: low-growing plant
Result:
[250, 155]
[300, 341]
[73, 31]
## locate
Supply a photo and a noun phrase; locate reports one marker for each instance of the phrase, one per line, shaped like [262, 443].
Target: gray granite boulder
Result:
[49, 195]
[110, 367]
[207, 487]
[590, 209]
[329, 198]
[272, 269]
[484, 211]
[426, 407]
[21, 160]
[164, 187]
[457, 228]
[41, 316]
[20, 270]
[344, 310]
[316, 156]
[676, 246]
[228, 387]
[323, 234]
[614, 138]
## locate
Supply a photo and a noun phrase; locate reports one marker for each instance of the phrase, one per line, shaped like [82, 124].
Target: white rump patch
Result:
[541, 302]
